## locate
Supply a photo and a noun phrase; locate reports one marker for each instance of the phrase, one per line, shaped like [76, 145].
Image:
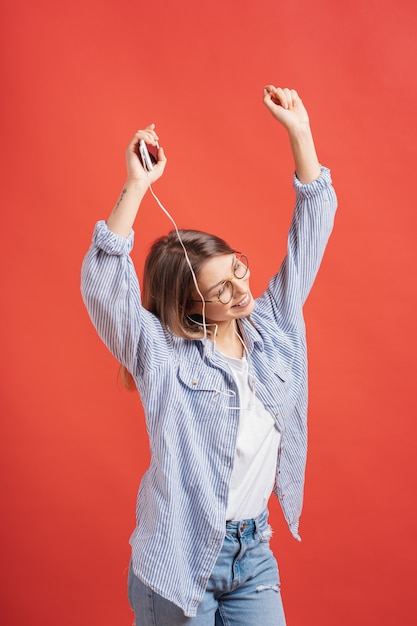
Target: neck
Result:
[228, 340]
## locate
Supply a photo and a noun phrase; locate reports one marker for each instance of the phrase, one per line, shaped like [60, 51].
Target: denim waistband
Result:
[247, 526]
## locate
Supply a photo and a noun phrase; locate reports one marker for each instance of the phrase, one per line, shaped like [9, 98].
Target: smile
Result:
[244, 302]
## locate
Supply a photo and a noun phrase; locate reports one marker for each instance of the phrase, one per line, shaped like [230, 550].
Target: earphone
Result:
[204, 325]
[229, 392]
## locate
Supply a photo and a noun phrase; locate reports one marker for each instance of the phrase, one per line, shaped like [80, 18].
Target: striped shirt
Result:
[188, 404]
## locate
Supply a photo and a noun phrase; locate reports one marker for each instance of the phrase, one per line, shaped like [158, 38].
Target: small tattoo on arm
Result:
[119, 200]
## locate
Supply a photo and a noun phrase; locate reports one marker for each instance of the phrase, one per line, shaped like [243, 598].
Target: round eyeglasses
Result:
[226, 291]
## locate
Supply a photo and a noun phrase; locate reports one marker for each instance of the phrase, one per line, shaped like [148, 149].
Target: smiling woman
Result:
[223, 383]
[172, 280]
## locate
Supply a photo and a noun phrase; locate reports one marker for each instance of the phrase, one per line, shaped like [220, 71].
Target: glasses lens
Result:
[226, 293]
[241, 268]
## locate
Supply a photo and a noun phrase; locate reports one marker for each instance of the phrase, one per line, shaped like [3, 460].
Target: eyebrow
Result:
[221, 282]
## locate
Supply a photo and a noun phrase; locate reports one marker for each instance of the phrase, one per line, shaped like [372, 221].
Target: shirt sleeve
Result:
[111, 293]
[311, 226]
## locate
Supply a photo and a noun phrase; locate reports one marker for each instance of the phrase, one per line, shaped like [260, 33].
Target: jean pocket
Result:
[265, 533]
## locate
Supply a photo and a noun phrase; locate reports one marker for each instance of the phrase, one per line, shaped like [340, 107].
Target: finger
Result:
[162, 161]
[161, 156]
[275, 95]
[294, 97]
[270, 94]
[151, 134]
[151, 138]
[148, 134]
[267, 96]
[269, 89]
[280, 97]
[288, 97]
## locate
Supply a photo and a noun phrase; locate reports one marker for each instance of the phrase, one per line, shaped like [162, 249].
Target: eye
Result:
[241, 268]
[222, 290]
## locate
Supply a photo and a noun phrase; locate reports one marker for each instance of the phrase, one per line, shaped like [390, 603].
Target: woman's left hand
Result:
[286, 106]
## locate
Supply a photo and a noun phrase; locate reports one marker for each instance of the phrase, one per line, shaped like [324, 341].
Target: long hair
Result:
[168, 287]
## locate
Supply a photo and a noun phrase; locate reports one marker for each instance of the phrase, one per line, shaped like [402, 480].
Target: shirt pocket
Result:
[275, 388]
[282, 372]
[205, 389]
[284, 391]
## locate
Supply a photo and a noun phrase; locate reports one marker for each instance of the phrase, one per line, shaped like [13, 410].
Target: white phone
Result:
[148, 155]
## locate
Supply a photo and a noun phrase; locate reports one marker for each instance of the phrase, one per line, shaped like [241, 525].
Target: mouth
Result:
[242, 303]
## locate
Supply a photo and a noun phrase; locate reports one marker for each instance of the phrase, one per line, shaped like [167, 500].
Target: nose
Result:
[239, 286]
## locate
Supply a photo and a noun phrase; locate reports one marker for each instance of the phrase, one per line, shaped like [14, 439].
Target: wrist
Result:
[137, 186]
[300, 133]
[306, 162]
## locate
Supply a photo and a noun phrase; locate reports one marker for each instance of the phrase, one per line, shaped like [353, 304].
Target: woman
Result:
[223, 382]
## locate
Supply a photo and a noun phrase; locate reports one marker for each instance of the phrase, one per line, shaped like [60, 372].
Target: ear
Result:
[196, 318]
[194, 307]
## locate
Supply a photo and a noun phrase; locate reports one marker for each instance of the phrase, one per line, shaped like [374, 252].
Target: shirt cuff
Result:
[309, 190]
[111, 243]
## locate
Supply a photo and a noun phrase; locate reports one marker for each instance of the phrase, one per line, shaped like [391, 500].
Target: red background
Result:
[78, 79]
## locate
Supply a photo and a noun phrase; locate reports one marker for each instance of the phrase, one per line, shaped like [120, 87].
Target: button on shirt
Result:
[183, 496]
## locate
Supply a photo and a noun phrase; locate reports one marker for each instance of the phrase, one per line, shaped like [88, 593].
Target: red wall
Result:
[78, 79]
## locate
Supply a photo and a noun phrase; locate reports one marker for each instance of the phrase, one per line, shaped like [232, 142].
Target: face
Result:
[212, 277]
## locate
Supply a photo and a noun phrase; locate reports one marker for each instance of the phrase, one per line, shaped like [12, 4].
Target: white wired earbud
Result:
[229, 393]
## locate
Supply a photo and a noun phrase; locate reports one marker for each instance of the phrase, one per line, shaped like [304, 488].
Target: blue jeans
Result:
[243, 590]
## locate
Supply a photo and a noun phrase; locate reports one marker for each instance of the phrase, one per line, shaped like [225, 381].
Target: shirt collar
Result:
[251, 335]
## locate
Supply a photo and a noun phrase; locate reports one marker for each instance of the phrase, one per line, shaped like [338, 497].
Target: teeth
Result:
[242, 302]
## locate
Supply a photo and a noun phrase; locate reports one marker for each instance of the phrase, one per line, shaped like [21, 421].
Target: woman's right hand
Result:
[121, 219]
[135, 170]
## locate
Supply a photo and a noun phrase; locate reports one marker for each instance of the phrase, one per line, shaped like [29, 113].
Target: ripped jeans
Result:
[243, 590]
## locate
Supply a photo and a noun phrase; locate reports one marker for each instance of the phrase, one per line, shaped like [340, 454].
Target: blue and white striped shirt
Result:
[183, 495]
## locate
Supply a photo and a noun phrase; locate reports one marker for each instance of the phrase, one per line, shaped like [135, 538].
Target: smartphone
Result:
[148, 155]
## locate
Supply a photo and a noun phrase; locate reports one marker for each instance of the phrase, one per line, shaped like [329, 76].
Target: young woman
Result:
[223, 382]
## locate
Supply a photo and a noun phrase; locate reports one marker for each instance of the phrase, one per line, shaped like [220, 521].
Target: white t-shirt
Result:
[258, 438]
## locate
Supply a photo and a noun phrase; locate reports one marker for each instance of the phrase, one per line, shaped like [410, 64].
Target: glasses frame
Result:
[239, 256]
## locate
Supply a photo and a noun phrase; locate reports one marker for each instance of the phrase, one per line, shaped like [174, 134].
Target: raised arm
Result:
[287, 107]
[313, 215]
[109, 284]
[122, 217]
